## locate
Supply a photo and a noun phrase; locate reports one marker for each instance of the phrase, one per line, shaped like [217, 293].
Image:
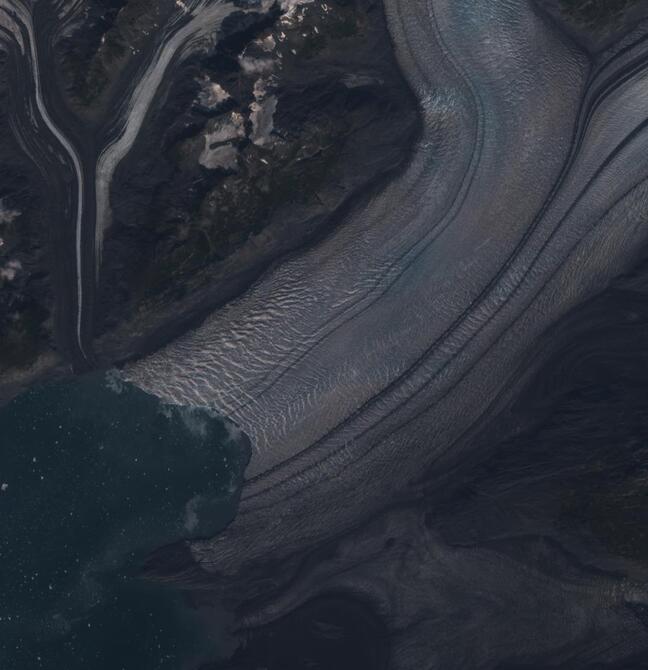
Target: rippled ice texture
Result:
[366, 358]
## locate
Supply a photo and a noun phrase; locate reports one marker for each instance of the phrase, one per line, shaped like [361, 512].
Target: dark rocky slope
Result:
[251, 149]
[256, 149]
[596, 24]
[27, 340]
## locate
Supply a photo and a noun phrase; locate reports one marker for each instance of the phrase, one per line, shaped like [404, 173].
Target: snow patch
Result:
[197, 420]
[212, 94]
[290, 7]
[7, 215]
[224, 156]
[262, 112]
[251, 65]
[9, 271]
[114, 382]
[234, 433]
[219, 152]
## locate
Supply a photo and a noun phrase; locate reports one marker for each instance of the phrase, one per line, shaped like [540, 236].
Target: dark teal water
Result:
[93, 476]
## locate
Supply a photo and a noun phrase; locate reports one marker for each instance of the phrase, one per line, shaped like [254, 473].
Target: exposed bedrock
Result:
[35, 196]
[373, 358]
[185, 146]
[254, 147]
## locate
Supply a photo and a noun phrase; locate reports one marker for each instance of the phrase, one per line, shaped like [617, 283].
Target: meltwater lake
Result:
[94, 475]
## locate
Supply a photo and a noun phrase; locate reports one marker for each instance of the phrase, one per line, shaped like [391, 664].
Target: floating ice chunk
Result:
[191, 514]
[114, 382]
[4, 487]
[197, 420]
